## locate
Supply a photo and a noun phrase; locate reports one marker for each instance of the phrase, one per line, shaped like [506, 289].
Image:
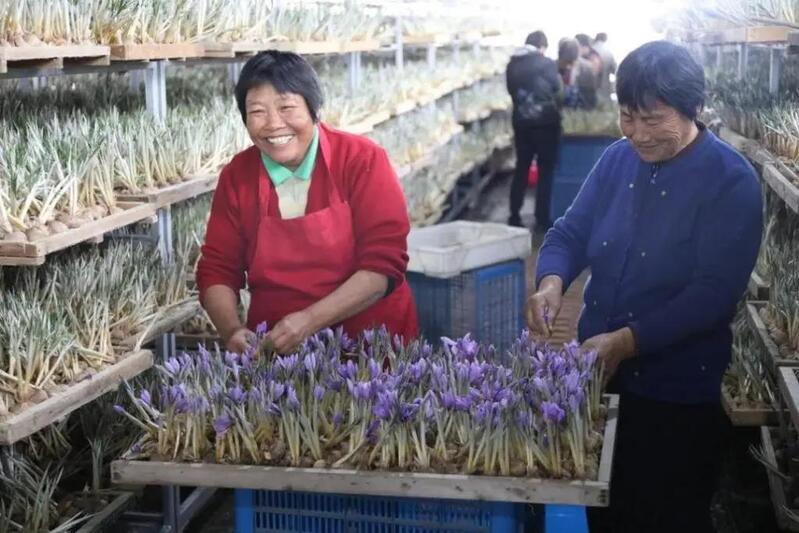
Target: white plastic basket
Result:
[446, 250]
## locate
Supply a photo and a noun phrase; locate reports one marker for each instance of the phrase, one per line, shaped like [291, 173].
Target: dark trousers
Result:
[532, 141]
[666, 468]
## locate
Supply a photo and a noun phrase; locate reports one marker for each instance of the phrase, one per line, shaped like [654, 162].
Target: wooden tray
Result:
[783, 186]
[743, 417]
[234, 49]
[771, 353]
[422, 39]
[169, 321]
[776, 486]
[189, 341]
[57, 406]
[49, 56]
[155, 51]
[367, 124]
[34, 253]
[758, 288]
[175, 193]
[458, 487]
[743, 144]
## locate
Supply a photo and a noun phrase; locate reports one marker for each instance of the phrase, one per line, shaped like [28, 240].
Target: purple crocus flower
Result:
[572, 381]
[418, 370]
[318, 392]
[231, 359]
[338, 418]
[172, 365]
[291, 398]
[482, 414]
[256, 395]
[221, 424]
[348, 370]
[464, 348]
[237, 395]
[310, 362]
[463, 403]
[374, 368]
[440, 381]
[278, 389]
[363, 390]
[118, 409]
[144, 397]
[261, 329]
[553, 412]
[408, 411]
[448, 400]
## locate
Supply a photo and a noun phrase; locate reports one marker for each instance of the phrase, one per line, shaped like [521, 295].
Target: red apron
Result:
[297, 262]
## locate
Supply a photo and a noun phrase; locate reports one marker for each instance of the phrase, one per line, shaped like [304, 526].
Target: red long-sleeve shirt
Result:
[364, 178]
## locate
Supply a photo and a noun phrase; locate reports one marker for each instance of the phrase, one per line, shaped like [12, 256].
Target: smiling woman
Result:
[313, 218]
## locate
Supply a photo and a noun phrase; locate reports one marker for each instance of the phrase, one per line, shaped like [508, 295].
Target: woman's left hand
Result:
[612, 349]
[291, 332]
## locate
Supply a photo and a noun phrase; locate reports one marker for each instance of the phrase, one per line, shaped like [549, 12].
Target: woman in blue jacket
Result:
[669, 222]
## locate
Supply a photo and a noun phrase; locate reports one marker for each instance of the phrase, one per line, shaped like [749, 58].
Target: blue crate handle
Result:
[565, 519]
[244, 510]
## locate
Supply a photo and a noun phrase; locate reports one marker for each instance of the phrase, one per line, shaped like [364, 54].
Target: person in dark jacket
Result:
[535, 88]
[669, 223]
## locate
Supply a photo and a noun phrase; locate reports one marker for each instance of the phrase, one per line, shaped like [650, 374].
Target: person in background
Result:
[608, 67]
[669, 222]
[535, 89]
[588, 53]
[314, 219]
[577, 75]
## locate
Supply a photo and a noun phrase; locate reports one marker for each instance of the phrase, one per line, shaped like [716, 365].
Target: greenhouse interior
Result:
[527, 337]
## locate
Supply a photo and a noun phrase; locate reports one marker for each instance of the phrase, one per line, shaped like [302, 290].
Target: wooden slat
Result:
[758, 288]
[100, 522]
[25, 423]
[50, 56]
[169, 321]
[233, 49]
[784, 188]
[752, 34]
[745, 417]
[309, 47]
[155, 51]
[422, 39]
[367, 124]
[789, 386]
[744, 145]
[173, 194]
[773, 359]
[418, 485]
[776, 485]
[21, 253]
[360, 46]
[190, 341]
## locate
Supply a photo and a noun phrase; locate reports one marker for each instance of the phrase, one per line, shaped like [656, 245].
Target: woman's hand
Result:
[543, 307]
[240, 340]
[291, 332]
[612, 349]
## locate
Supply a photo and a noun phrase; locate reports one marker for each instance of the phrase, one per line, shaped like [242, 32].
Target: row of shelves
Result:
[143, 207]
[65, 57]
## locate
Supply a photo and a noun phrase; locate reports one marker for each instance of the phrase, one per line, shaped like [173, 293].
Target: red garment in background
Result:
[355, 219]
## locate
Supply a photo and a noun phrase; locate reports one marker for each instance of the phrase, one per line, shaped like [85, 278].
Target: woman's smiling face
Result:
[657, 133]
[280, 125]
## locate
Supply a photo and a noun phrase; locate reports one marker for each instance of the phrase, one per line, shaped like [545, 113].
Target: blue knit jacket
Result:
[670, 247]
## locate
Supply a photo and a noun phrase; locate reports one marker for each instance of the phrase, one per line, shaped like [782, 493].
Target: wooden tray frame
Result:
[418, 485]
[23, 424]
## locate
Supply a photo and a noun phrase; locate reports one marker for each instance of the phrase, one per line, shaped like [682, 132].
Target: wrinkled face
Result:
[280, 125]
[657, 133]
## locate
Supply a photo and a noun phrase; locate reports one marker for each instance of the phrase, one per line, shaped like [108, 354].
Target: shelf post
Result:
[431, 55]
[398, 44]
[743, 60]
[155, 89]
[775, 63]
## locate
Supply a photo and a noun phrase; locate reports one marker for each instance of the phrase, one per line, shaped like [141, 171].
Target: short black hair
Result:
[583, 39]
[568, 51]
[601, 37]
[287, 73]
[662, 71]
[537, 39]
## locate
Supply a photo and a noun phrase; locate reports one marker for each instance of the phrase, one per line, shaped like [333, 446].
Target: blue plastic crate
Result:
[576, 157]
[263, 511]
[487, 302]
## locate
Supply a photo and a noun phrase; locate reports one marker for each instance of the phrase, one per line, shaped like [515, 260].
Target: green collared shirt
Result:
[279, 174]
[291, 186]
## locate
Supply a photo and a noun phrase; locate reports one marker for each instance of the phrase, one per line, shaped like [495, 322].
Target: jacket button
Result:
[703, 368]
[663, 193]
[632, 185]
[635, 373]
[595, 303]
[630, 314]
[643, 254]
[604, 243]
